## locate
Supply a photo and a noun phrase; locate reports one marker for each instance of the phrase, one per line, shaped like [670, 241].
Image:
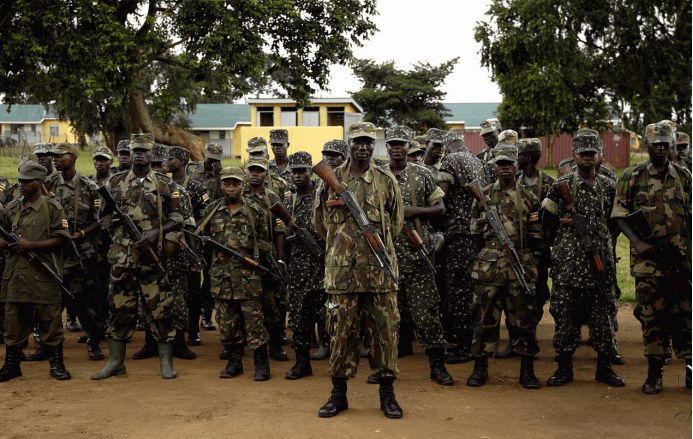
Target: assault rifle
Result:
[280, 211]
[565, 170]
[499, 230]
[353, 209]
[417, 242]
[78, 253]
[191, 253]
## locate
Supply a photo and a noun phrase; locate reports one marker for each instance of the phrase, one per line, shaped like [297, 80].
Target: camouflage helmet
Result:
[256, 144]
[585, 143]
[64, 148]
[505, 151]
[102, 151]
[31, 171]
[338, 146]
[508, 136]
[300, 160]
[489, 125]
[178, 152]
[123, 145]
[159, 153]
[435, 135]
[453, 136]
[682, 139]
[279, 136]
[659, 132]
[398, 133]
[529, 144]
[214, 151]
[362, 129]
[43, 148]
[142, 141]
[232, 172]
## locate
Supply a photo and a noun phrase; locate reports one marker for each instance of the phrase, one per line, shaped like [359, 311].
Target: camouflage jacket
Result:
[434, 169]
[211, 183]
[87, 213]
[350, 266]
[138, 198]
[199, 198]
[265, 200]
[231, 278]
[307, 271]
[685, 163]
[570, 265]
[667, 204]
[21, 281]
[284, 179]
[102, 241]
[173, 238]
[427, 194]
[459, 169]
[486, 156]
[492, 265]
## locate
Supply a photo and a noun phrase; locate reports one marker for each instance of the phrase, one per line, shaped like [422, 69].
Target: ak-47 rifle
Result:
[37, 261]
[353, 209]
[417, 242]
[280, 211]
[275, 271]
[499, 230]
[667, 256]
[132, 229]
[78, 253]
[565, 170]
[199, 261]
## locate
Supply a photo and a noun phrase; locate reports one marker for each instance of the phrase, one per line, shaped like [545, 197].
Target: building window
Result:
[15, 129]
[310, 117]
[55, 130]
[222, 135]
[204, 134]
[335, 116]
[288, 116]
[265, 116]
[33, 128]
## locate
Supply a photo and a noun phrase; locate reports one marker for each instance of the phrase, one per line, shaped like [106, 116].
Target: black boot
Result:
[527, 377]
[83, 338]
[180, 350]
[57, 364]
[194, 338]
[439, 373]
[235, 365]
[224, 355]
[655, 371]
[605, 373]
[564, 373]
[480, 374]
[277, 353]
[508, 352]
[11, 368]
[460, 354]
[207, 323]
[338, 400]
[94, 348]
[262, 367]
[149, 349]
[323, 351]
[388, 402]
[688, 373]
[43, 353]
[284, 339]
[302, 367]
[617, 359]
[71, 324]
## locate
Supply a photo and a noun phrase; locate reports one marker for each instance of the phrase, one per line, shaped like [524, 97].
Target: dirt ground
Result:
[199, 404]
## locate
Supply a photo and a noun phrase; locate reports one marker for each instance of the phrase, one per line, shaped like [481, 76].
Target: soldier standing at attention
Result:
[683, 149]
[150, 200]
[334, 153]
[124, 160]
[497, 288]
[576, 295]
[360, 293]
[662, 190]
[415, 154]
[434, 150]
[257, 147]
[42, 227]
[279, 141]
[490, 130]
[102, 157]
[44, 156]
[422, 200]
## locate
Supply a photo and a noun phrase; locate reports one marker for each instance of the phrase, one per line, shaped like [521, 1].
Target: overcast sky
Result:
[431, 31]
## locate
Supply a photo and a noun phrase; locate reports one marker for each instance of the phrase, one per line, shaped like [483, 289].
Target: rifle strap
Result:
[382, 209]
[414, 202]
[518, 201]
[160, 210]
[74, 221]
[206, 220]
[251, 220]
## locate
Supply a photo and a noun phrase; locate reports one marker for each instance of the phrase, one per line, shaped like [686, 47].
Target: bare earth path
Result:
[198, 404]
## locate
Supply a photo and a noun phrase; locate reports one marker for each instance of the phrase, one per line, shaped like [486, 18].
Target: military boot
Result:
[116, 360]
[436, 361]
[71, 324]
[460, 354]
[207, 323]
[11, 368]
[149, 349]
[527, 377]
[688, 373]
[323, 351]
[262, 367]
[57, 365]
[277, 353]
[655, 371]
[388, 402]
[94, 348]
[302, 367]
[564, 373]
[166, 360]
[235, 365]
[508, 352]
[338, 399]
[479, 375]
[180, 350]
[605, 373]
[83, 338]
[43, 353]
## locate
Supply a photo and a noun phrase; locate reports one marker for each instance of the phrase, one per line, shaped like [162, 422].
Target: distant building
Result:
[35, 124]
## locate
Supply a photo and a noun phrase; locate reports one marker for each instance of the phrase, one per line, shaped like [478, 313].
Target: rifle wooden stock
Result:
[280, 211]
[417, 242]
[327, 175]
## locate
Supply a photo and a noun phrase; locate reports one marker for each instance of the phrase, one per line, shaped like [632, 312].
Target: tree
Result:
[90, 56]
[410, 98]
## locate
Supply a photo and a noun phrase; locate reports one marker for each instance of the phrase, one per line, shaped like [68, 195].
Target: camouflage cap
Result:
[659, 132]
[682, 139]
[214, 151]
[256, 144]
[257, 161]
[587, 131]
[435, 135]
[338, 146]
[398, 133]
[43, 148]
[508, 136]
[300, 160]
[529, 144]
[123, 145]
[32, 171]
[670, 123]
[505, 151]
[232, 172]
[489, 125]
[65, 148]
[142, 141]
[362, 129]
[159, 153]
[421, 140]
[102, 151]
[178, 152]
[585, 143]
[453, 136]
[279, 136]
[415, 149]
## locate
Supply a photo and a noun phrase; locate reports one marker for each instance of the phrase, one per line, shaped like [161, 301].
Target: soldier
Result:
[45, 159]
[422, 200]
[257, 147]
[456, 171]
[307, 295]
[497, 288]
[434, 150]
[279, 141]
[42, 228]
[360, 293]
[662, 190]
[602, 168]
[334, 153]
[150, 200]
[415, 154]
[683, 149]
[490, 130]
[576, 295]
[454, 142]
[102, 157]
[124, 160]
[240, 223]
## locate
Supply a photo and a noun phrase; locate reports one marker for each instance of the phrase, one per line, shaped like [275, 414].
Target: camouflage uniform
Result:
[281, 178]
[603, 170]
[683, 159]
[280, 136]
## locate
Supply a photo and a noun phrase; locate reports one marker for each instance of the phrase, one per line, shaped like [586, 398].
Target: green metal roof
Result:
[219, 115]
[22, 113]
[472, 114]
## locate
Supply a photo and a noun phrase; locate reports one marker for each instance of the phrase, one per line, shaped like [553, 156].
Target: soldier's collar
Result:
[61, 179]
[37, 204]
[653, 171]
[131, 175]
[367, 176]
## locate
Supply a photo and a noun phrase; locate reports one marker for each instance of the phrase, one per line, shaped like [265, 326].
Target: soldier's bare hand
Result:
[21, 245]
[148, 239]
[76, 236]
[644, 248]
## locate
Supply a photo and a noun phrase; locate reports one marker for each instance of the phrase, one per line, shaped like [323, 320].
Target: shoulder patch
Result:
[64, 224]
[97, 203]
[205, 197]
[534, 217]
[176, 194]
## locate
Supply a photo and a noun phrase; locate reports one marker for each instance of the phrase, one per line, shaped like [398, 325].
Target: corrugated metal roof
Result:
[472, 113]
[219, 115]
[21, 113]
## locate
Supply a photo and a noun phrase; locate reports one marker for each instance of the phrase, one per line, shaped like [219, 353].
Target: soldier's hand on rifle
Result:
[21, 245]
[3, 244]
[148, 239]
[216, 168]
[77, 236]
[282, 266]
[643, 248]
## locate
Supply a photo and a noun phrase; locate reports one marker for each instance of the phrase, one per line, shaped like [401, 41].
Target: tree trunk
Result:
[142, 122]
[549, 150]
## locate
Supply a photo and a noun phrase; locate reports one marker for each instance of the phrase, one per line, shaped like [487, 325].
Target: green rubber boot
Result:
[166, 360]
[116, 358]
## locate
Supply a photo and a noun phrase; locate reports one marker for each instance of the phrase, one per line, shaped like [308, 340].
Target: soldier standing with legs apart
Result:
[149, 200]
[359, 213]
[653, 210]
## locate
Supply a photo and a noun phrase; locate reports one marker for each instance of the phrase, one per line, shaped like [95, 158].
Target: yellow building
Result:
[35, 124]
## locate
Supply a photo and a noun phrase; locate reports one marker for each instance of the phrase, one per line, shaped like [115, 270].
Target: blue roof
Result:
[219, 115]
[472, 114]
[22, 113]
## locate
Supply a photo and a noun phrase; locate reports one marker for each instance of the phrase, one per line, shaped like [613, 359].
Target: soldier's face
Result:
[659, 152]
[397, 149]
[124, 159]
[300, 177]
[333, 159]
[232, 189]
[361, 148]
[102, 164]
[434, 150]
[505, 169]
[279, 149]
[45, 160]
[256, 176]
[28, 188]
[415, 158]
[141, 156]
[522, 160]
[161, 167]
[491, 139]
[63, 161]
[682, 149]
[174, 164]
[586, 161]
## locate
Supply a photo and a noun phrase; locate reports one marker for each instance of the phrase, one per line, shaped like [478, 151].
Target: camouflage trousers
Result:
[461, 255]
[156, 298]
[305, 309]
[89, 300]
[520, 311]
[241, 318]
[419, 296]
[273, 308]
[19, 323]
[543, 293]
[177, 269]
[570, 307]
[374, 313]
[663, 312]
